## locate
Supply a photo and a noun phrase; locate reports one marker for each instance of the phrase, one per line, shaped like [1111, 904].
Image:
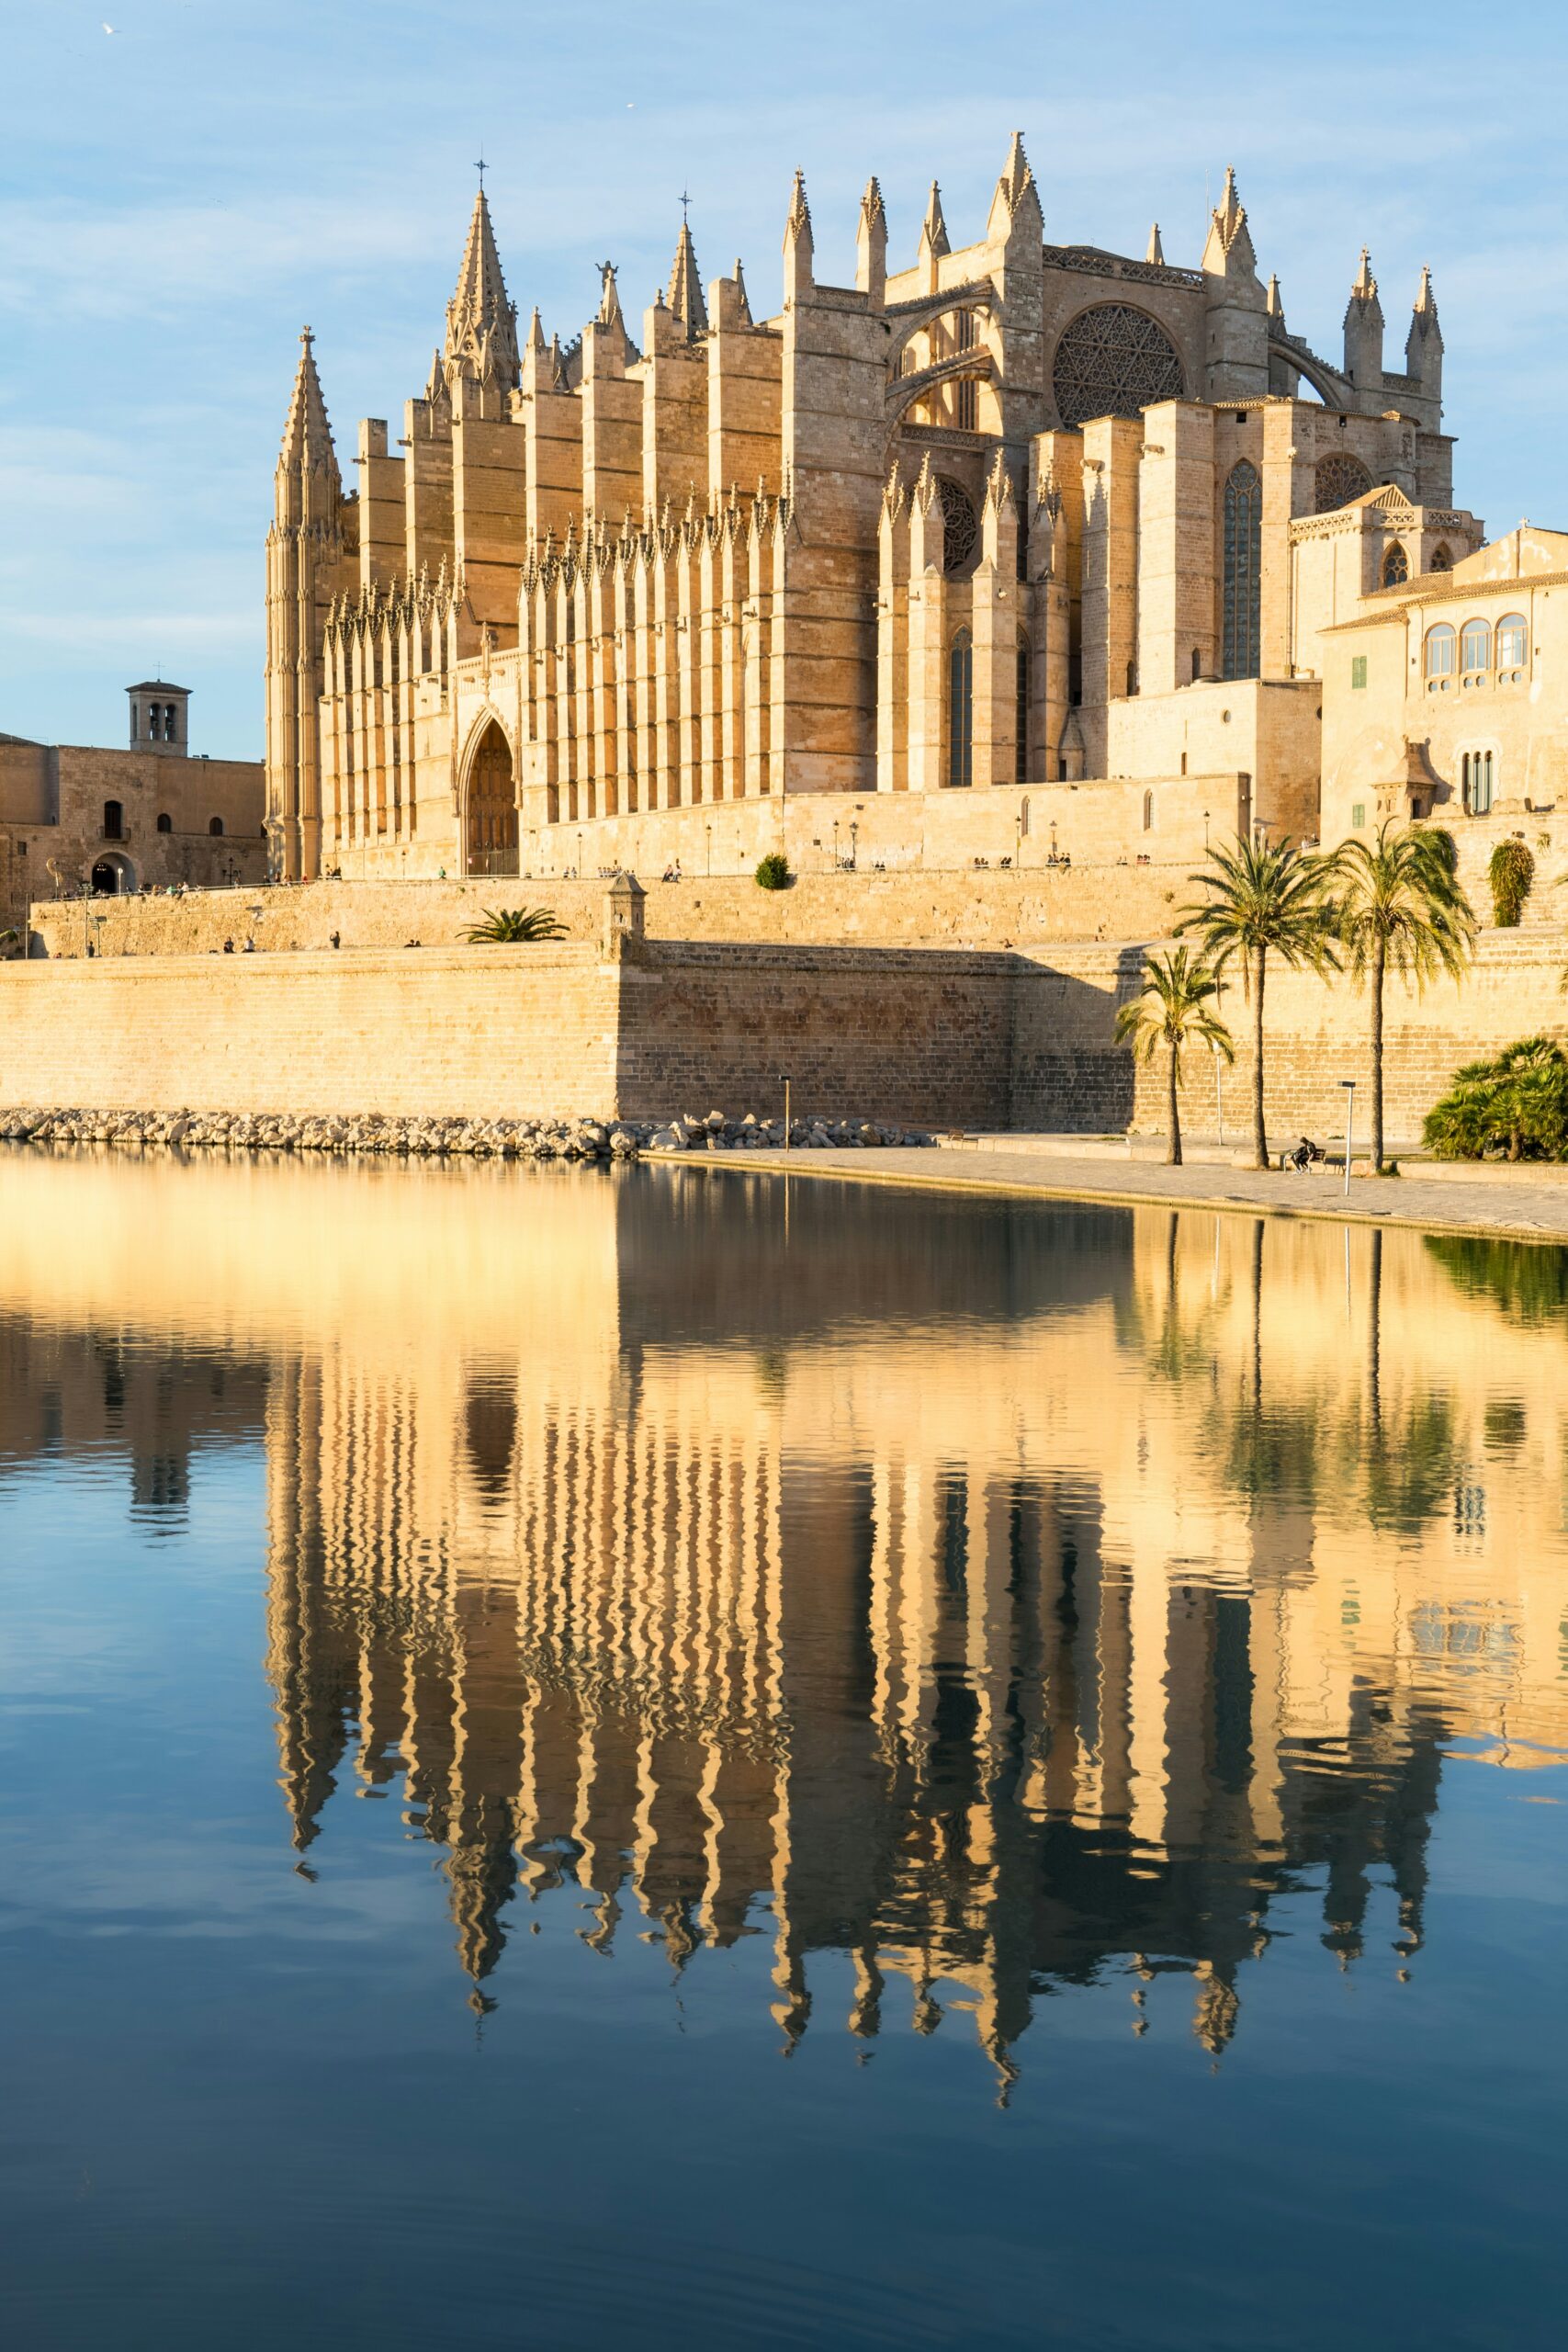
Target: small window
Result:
[216, 827]
[1132, 678]
[1359, 813]
[1475, 647]
[151, 723]
[168, 722]
[1395, 567]
[113, 821]
[1196, 666]
[1149, 812]
[1442, 648]
[165, 822]
[1357, 670]
[1513, 642]
[1441, 560]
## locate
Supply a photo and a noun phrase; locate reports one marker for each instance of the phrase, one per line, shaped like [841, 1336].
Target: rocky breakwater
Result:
[574, 1139]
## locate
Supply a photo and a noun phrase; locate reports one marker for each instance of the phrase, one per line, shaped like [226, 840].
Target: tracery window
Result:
[1337, 480]
[1244, 570]
[1440, 650]
[1395, 567]
[1475, 647]
[1020, 713]
[961, 711]
[1113, 361]
[1441, 560]
[1513, 641]
[960, 531]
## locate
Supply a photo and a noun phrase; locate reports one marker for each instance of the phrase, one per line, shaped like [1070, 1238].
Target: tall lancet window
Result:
[1244, 567]
[961, 710]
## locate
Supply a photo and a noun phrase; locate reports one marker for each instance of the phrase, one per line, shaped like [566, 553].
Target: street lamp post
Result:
[1219, 1100]
[855, 845]
[835, 844]
[710, 852]
[1349, 1086]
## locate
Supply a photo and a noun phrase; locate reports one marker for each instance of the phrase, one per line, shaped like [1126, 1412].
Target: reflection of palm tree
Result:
[1527, 1281]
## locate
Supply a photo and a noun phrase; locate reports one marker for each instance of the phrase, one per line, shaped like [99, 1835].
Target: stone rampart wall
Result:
[919, 1036]
[989, 908]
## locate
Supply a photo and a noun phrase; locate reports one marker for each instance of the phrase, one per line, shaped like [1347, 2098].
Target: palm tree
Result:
[1173, 1008]
[514, 926]
[1264, 899]
[1400, 909]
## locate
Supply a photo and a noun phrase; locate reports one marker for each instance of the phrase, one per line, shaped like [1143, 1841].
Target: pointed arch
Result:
[1244, 573]
[487, 799]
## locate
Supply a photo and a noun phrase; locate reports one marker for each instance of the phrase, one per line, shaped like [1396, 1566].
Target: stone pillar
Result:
[1109, 634]
[1177, 598]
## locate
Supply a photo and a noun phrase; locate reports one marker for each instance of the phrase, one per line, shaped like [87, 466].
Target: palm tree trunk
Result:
[1379, 959]
[1174, 1159]
[1259, 1136]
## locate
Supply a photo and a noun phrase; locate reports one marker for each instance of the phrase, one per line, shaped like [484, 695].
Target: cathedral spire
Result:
[481, 324]
[609, 298]
[1156, 251]
[1228, 251]
[871, 245]
[685, 291]
[1015, 204]
[307, 435]
[1365, 288]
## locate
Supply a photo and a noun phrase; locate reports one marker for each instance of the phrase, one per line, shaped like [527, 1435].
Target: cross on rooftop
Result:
[481, 167]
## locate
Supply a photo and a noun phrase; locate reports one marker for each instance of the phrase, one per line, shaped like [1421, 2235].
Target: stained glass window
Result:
[1113, 361]
[1244, 566]
[1021, 714]
[1395, 567]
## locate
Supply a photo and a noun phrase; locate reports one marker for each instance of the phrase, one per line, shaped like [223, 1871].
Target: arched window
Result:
[113, 821]
[1475, 647]
[1440, 650]
[1149, 812]
[1244, 566]
[961, 711]
[1441, 560]
[1476, 783]
[153, 727]
[215, 827]
[1021, 712]
[1513, 642]
[168, 722]
[1395, 567]
[165, 822]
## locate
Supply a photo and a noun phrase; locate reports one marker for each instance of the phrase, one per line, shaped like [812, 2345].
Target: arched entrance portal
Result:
[112, 876]
[490, 845]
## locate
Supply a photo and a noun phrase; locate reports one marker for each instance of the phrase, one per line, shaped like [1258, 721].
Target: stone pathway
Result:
[1506, 1207]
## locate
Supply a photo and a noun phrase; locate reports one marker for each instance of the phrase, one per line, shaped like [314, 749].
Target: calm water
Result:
[615, 1759]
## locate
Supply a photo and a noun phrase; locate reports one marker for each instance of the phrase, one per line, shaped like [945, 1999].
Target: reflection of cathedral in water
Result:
[1000, 1598]
[828, 1630]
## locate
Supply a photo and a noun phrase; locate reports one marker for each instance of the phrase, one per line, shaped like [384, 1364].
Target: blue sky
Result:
[178, 195]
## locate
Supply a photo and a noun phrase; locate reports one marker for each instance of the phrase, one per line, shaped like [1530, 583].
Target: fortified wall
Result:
[981, 1039]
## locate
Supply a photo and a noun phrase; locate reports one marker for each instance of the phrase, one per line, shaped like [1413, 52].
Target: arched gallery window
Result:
[1440, 650]
[1244, 568]
[1395, 567]
[961, 711]
[1475, 647]
[1513, 641]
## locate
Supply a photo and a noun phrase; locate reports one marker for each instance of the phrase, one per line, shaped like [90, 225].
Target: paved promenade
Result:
[1515, 1207]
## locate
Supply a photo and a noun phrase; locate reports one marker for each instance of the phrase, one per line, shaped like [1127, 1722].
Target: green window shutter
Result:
[1359, 813]
[1358, 668]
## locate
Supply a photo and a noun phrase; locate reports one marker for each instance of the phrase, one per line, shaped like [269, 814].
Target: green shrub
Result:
[1510, 873]
[514, 927]
[1513, 1108]
[774, 873]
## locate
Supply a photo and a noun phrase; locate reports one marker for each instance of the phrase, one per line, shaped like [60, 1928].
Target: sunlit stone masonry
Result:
[1094, 537]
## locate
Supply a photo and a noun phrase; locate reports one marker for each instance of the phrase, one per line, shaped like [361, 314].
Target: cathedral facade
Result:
[1013, 522]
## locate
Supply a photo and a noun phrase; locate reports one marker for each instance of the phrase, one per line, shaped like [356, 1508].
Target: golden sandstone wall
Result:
[978, 1039]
